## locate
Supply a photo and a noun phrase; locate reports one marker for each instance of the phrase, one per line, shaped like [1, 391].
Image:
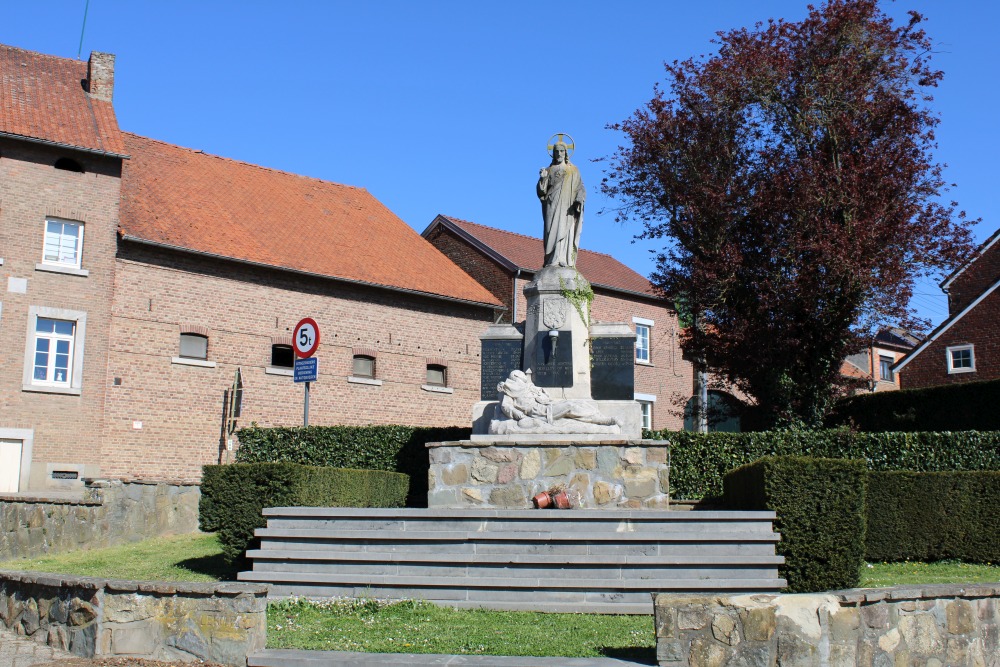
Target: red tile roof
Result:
[42, 97]
[528, 253]
[187, 199]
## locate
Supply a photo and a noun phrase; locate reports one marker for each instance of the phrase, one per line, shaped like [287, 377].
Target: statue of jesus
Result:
[562, 194]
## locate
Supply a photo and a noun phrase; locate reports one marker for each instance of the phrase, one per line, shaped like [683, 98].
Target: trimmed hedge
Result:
[820, 508]
[698, 461]
[393, 448]
[933, 516]
[969, 406]
[232, 496]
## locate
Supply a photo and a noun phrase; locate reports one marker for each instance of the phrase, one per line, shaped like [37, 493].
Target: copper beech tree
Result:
[791, 178]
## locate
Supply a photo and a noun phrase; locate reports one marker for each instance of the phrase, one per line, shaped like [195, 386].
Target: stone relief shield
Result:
[554, 313]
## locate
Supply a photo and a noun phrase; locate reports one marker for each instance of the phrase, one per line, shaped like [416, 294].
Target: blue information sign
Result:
[307, 370]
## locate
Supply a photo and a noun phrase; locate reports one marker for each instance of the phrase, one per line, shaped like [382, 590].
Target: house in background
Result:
[61, 156]
[504, 262]
[966, 346]
[874, 365]
[140, 279]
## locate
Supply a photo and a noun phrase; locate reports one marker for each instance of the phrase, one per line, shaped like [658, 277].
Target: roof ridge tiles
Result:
[198, 151]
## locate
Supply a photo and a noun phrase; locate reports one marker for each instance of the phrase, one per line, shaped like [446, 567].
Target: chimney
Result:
[101, 75]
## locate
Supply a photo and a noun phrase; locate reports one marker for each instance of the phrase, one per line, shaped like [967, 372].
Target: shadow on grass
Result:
[213, 566]
[640, 655]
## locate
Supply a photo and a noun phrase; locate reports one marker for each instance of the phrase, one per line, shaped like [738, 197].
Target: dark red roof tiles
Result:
[528, 253]
[43, 97]
[195, 201]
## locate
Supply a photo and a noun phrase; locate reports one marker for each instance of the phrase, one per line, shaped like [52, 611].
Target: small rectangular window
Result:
[194, 346]
[647, 415]
[885, 368]
[961, 359]
[364, 366]
[63, 243]
[282, 356]
[642, 343]
[437, 375]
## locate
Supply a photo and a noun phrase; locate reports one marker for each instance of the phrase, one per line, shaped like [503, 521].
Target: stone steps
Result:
[579, 560]
[294, 658]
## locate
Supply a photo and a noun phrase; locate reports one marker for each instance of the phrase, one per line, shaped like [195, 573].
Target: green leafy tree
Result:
[791, 178]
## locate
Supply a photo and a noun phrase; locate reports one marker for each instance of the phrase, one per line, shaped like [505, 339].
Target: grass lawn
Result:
[191, 557]
[419, 627]
[879, 575]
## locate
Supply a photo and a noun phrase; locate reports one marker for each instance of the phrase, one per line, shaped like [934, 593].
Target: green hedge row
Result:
[933, 516]
[698, 461]
[232, 496]
[970, 406]
[820, 508]
[393, 448]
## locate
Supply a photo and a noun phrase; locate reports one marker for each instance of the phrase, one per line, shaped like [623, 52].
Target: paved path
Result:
[20, 652]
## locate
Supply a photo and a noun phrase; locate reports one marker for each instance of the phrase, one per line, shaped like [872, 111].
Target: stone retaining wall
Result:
[105, 513]
[597, 475]
[931, 625]
[156, 620]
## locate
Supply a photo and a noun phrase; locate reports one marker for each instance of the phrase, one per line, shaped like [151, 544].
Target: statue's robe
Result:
[558, 192]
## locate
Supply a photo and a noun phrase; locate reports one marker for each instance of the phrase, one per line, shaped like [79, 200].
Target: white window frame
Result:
[643, 323]
[949, 354]
[75, 384]
[644, 401]
[74, 267]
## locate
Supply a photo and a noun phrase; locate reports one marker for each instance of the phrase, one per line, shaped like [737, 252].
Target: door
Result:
[10, 465]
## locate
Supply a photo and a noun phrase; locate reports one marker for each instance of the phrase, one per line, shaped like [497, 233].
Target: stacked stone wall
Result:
[596, 475]
[155, 620]
[107, 513]
[933, 625]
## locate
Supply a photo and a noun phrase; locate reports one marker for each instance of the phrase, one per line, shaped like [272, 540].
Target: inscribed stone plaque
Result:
[612, 369]
[500, 357]
[553, 363]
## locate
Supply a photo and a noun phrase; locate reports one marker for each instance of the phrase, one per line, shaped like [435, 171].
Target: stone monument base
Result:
[628, 414]
[499, 474]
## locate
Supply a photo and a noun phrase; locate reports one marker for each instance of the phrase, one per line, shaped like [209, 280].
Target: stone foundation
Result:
[598, 475]
[933, 625]
[104, 514]
[156, 620]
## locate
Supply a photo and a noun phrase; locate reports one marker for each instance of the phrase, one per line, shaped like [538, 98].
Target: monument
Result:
[562, 374]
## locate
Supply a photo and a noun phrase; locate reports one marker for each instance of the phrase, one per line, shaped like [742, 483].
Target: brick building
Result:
[61, 157]
[874, 365]
[118, 344]
[504, 262]
[966, 346]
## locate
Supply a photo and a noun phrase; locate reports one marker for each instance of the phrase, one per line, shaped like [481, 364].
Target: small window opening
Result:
[437, 375]
[67, 164]
[194, 346]
[282, 356]
[364, 366]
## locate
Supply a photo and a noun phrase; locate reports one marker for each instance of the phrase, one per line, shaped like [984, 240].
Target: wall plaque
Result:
[499, 358]
[553, 362]
[612, 369]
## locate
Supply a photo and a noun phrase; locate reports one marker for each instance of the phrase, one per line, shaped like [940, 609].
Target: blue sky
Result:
[446, 107]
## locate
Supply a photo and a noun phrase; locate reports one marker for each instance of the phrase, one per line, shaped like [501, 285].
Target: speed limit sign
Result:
[305, 338]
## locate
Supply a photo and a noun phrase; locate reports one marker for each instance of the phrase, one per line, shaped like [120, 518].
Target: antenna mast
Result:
[79, 49]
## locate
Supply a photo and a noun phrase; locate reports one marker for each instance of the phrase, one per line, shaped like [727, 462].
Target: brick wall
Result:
[180, 407]
[486, 271]
[66, 428]
[975, 279]
[981, 328]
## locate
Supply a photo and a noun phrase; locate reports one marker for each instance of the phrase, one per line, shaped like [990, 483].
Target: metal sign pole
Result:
[305, 415]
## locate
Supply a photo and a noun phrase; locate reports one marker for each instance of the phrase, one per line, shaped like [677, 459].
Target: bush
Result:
[970, 406]
[233, 496]
[393, 448]
[698, 461]
[933, 516]
[820, 508]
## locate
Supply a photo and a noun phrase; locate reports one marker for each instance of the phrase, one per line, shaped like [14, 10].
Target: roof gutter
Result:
[58, 144]
[247, 262]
